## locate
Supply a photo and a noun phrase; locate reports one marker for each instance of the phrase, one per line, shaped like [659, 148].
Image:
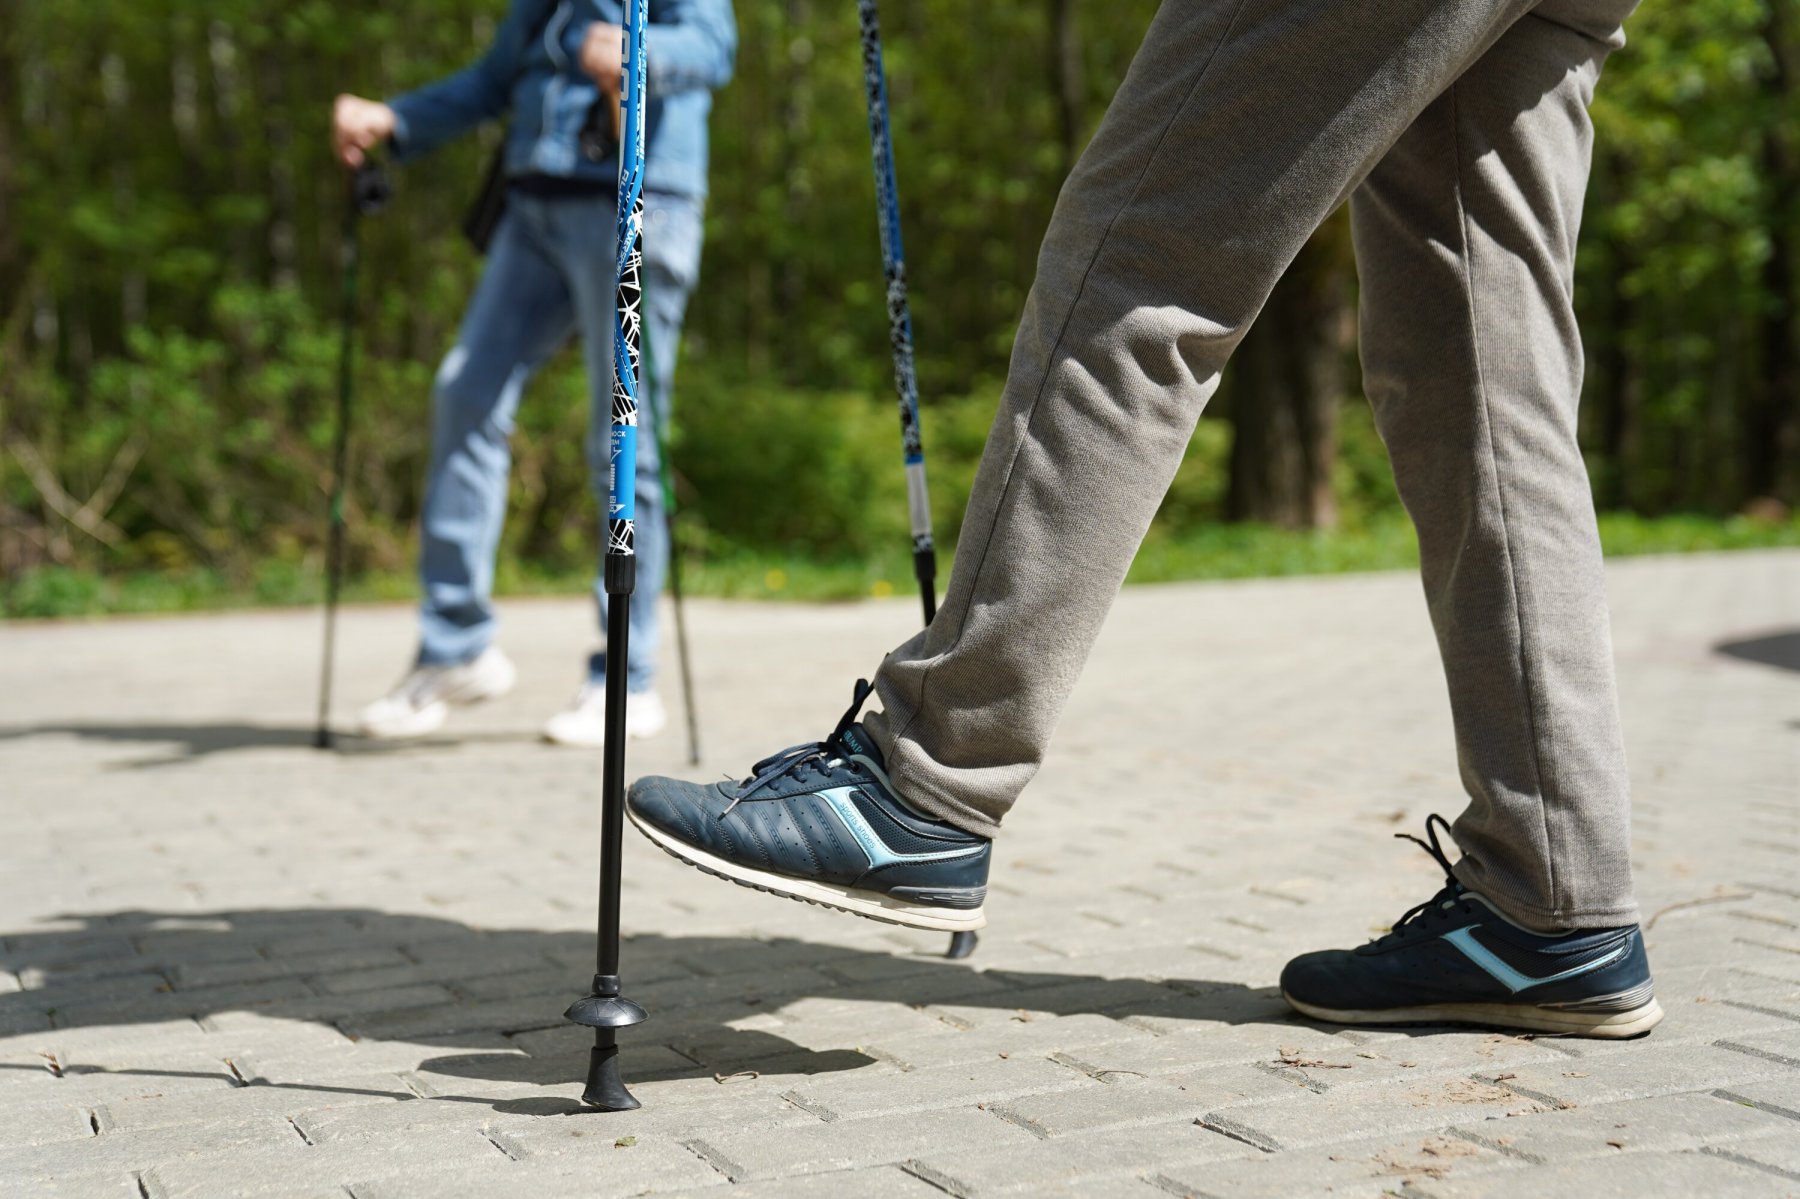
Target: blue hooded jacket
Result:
[533, 69]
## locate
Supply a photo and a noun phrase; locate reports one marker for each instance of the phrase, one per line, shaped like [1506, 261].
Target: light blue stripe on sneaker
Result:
[878, 853]
[1513, 980]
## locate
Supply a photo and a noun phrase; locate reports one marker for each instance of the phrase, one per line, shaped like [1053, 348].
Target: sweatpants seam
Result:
[1487, 422]
[1055, 347]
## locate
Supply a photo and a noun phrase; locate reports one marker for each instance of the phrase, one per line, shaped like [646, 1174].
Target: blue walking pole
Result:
[605, 1009]
[893, 259]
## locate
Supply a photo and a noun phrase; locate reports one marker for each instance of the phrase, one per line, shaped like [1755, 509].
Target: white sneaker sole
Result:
[421, 723]
[584, 741]
[1609, 1025]
[869, 904]
[428, 720]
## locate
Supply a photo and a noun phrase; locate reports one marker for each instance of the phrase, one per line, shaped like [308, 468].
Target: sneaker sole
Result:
[631, 734]
[480, 692]
[411, 728]
[872, 905]
[1609, 1025]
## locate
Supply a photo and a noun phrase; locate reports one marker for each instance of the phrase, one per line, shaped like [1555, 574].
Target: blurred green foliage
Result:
[171, 223]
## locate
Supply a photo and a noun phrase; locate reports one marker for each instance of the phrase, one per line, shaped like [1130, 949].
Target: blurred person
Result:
[1458, 130]
[554, 71]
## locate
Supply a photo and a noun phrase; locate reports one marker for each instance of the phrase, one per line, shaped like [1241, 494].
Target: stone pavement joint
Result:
[232, 965]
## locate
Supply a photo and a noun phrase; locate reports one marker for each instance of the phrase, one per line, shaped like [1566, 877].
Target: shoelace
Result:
[802, 762]
[1435, 906]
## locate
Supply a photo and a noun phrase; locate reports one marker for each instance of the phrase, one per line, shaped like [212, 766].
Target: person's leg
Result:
[519, 315]
[1465, 238]
[672, 239]
[1465, 235]
[1240, 126]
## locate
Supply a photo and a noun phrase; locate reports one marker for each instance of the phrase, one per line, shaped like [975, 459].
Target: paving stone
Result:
[1780, 1094]
[1774, 1044]
[1015, 1038]
[315, 1064]
[164, 1005]
[236, 1104]
[1363, 1057]
[1128, 1100]
[1668, 1122]
[93, 1087]
[1310, 1118]
[879, 1182]
[75, 1188]
[115, 1154]
[1378, 1167]
[1649, 1069]
[838, 1024]
[1778, 1153]
[1033, 1167]
[845, 1098]
[297, 1168]
[646, 1167]
[45, 1121]
[853, 1144]
[1205, 1046]
[1628, 1177]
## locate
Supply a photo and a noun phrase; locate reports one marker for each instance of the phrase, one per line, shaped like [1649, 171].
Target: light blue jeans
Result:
[549, 275]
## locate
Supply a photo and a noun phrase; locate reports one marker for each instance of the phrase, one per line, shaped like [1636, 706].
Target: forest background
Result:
[171, 226]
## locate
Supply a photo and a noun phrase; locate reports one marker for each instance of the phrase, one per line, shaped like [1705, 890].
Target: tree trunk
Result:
[1621, 390]
[1772, 432]
[1065, 79]
[1288, 378]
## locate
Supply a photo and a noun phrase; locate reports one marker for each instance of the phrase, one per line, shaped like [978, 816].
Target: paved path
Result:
[232, 965]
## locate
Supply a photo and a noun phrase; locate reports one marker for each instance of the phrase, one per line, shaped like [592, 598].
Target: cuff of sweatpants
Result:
[1533, 914]
[907, 767]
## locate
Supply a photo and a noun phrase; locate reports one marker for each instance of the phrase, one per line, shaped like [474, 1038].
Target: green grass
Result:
[1206, 552]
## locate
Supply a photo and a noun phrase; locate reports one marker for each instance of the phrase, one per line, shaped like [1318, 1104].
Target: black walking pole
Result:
[368, 193]
[893, 257]
[666, 477]
[604, 1009]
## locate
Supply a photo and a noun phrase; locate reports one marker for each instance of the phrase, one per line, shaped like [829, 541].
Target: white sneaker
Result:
[584, 721]
[421, 702]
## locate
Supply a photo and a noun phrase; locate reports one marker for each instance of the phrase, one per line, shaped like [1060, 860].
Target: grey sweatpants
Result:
[1458, 130]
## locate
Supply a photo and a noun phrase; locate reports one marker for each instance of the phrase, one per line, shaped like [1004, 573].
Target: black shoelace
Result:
[803, 762]
[1436, 907]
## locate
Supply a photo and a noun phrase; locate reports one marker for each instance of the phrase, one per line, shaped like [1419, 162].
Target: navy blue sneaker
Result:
[822, 823]
[1454, 959]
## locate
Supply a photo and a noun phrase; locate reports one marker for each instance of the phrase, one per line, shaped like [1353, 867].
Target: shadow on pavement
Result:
[190, 741]
[1780, 650]
[383, 976]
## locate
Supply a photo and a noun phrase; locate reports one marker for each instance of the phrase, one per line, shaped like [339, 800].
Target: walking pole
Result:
[667, 478]
[368, 193]
[893, 258]
[604, 1009]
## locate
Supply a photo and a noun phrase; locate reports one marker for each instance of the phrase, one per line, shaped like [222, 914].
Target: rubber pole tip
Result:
[605, 1088]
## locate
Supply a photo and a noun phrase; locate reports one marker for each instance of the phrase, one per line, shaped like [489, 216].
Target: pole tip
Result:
[605, 1089]
[961, 946]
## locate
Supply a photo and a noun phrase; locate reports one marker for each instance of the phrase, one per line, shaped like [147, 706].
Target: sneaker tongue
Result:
[856, 739]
